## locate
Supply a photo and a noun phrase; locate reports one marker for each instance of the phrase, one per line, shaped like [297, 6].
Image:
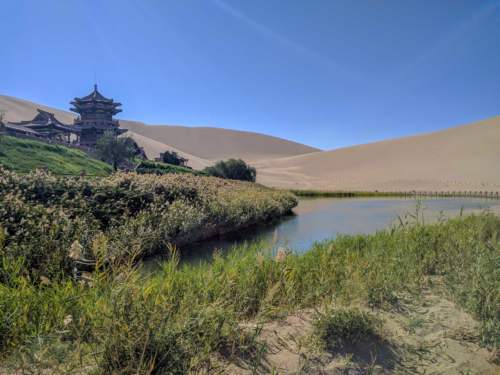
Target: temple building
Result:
[95, 118]
[43, 125]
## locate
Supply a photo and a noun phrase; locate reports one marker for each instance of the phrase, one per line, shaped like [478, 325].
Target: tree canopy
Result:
[172, 157]
[234, 169]
[115, 151]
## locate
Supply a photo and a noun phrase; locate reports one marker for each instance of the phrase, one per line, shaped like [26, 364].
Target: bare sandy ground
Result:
[457, 159]
[465, 158]
[429, 335]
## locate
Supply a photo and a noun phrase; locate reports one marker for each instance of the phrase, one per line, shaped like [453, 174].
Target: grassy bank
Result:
[186, 318]
[123, 217]
[396, 194]
[26, 155]
[153, 167]
[344, 194]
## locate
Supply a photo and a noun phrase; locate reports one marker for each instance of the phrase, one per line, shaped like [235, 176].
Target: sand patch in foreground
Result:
[429, 335]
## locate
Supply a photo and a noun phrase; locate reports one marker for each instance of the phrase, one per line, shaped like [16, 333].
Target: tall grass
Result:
[183, 316]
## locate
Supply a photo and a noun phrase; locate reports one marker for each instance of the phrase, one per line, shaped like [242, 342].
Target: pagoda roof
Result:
[20, 129]
[94, 96]
[42, 120]
[42, 117]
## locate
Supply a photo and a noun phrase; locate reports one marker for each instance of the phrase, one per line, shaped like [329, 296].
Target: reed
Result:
[397, 194]
[183, 316]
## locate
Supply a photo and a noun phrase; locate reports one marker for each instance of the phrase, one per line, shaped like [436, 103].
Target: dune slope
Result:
[456, 159]
[198, 142]
[215, 143]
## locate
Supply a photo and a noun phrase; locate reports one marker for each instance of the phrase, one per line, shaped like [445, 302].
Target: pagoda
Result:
[95, 117]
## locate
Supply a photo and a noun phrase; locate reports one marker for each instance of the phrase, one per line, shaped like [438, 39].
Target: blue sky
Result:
[323, 72]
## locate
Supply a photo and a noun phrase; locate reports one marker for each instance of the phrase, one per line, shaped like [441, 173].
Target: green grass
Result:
[337, 328]
[154, 167]
[23, 156]
[344, 194]
[183, 316]
[381, 194]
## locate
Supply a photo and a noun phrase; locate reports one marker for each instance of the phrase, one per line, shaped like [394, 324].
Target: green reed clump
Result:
[180, 317]
[337, 328]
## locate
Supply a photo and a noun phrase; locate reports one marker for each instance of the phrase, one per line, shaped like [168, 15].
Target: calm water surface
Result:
[318, 219]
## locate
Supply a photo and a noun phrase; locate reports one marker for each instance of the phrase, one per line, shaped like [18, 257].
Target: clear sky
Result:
[326, 73]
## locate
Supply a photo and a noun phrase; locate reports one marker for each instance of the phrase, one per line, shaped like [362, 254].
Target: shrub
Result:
[42, 215]
[150, 167]
[173, 158]
[337, 328]
[233, 169]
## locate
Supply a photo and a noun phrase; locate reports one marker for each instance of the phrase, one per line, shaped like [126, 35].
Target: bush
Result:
[159, 168]
[134, 215]
[233, 169]
[338, 328]
[173, 158]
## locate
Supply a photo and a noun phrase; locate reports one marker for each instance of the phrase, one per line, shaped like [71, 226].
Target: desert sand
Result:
[216, 144]
[430, 335]
[464, 158]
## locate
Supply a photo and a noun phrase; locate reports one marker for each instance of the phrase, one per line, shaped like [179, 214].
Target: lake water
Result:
[317, 219]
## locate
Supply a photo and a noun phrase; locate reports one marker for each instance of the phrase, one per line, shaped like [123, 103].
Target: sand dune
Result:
[154, 148]
[457, 159]
[215, 143]
[464, 158]
[18, 109]
[201, 142]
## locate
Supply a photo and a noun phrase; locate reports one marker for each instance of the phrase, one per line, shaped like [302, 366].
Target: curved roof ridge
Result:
[95, 95]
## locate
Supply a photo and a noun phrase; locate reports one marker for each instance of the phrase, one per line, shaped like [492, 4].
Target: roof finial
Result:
[95, 86]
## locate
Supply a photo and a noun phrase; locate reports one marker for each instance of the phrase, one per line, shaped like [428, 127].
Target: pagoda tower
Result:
[95, 117]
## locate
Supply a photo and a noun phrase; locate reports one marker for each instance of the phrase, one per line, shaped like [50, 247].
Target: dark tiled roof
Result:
[95, 96]
[42, 120]
[20, 129]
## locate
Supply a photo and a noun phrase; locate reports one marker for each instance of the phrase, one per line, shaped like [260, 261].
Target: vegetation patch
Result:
[338, 328]
[26, 155]
[233, 169]
[122, 217]
[345, 194]
[159, 168]
[177, 319]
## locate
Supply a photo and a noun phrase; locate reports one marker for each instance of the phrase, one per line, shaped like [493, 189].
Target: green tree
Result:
[172, 157]
[234, 169]
[2, 126]
[114, 150]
